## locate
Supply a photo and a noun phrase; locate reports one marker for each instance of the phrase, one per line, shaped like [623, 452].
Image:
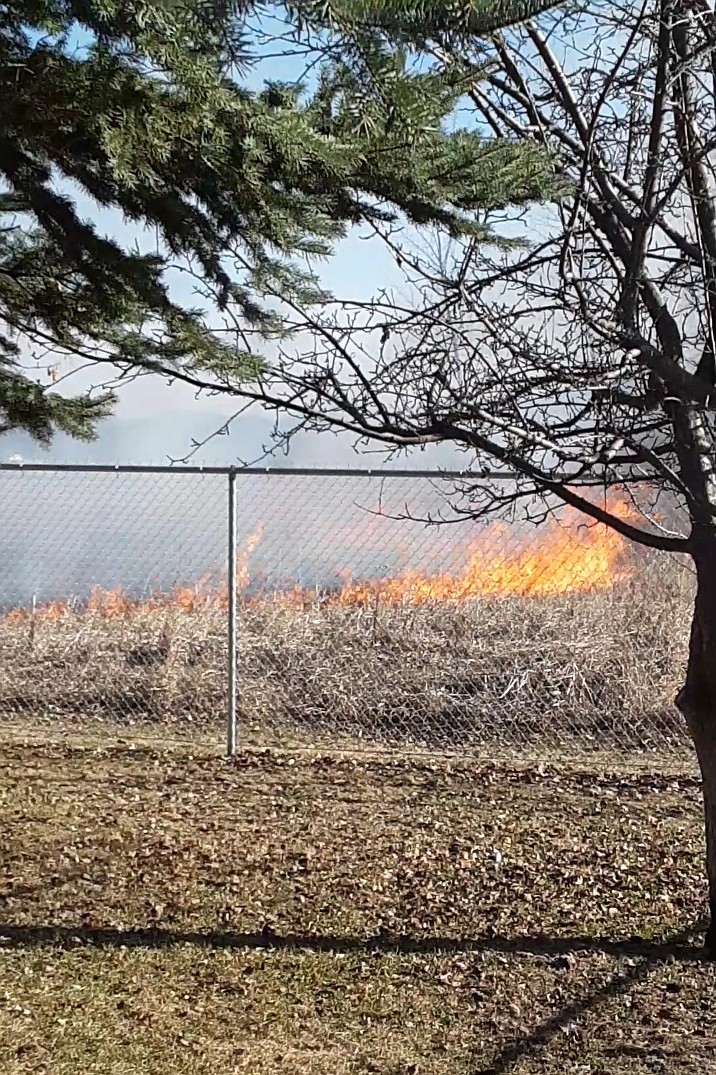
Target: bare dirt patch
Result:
[163, 910]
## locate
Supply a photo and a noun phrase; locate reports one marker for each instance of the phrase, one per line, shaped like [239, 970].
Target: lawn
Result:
[165, 911]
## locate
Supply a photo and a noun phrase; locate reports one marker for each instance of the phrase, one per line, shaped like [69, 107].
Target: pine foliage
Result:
[142, 107]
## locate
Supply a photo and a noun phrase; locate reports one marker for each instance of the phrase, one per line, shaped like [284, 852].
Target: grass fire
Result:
[565, 639]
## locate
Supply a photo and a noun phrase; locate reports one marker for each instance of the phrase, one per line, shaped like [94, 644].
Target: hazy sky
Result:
[155, 421]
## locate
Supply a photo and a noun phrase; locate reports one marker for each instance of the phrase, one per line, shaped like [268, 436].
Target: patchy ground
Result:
[165, 912]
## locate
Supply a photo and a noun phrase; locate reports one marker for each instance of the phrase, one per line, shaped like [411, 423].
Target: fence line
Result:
[231, 587]
[252, 471]
[136, 593]
[231, 473]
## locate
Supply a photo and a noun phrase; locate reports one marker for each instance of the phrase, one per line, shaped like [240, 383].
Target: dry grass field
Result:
[164, 911]
[505, 671]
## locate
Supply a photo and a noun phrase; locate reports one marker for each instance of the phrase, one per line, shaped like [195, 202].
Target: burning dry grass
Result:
[595, 669]
[168, 913]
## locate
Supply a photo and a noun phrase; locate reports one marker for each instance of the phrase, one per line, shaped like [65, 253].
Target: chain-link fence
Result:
[354, 620]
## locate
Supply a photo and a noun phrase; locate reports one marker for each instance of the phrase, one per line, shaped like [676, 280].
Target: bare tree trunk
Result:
[697, 702]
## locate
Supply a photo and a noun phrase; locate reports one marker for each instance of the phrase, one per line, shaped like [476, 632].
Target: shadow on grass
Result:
[679, 947]
[646, 956]
[649, 955]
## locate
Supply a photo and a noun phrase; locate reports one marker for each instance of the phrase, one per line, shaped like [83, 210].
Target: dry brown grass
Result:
[166, 912]
[591, 670]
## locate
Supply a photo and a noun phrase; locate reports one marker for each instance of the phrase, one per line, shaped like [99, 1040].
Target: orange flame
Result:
[560, 558]
[243, 577]
[564, 560]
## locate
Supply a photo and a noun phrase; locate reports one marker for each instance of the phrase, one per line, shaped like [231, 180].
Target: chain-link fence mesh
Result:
[359, 623]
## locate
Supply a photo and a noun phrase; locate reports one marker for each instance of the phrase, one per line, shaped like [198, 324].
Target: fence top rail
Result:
[295, 472]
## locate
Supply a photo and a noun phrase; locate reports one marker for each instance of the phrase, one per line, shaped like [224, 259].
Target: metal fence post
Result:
[231, 685]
